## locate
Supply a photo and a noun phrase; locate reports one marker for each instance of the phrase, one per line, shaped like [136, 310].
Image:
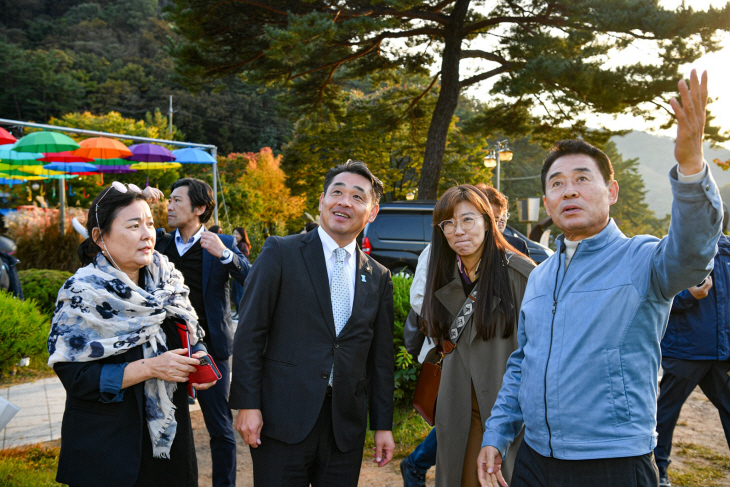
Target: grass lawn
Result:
[29, 466]
[701, 466]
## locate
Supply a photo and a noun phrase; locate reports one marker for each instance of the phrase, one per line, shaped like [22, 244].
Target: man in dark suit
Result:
[316, 338]
[207, 261]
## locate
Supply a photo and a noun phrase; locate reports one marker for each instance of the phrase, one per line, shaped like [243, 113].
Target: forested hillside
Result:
[61, 56]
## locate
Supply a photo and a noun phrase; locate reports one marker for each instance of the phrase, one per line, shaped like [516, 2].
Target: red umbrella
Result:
[6, 137]
[66, 156]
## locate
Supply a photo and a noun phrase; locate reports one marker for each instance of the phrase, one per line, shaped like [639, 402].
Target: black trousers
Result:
[679, 380]
[535, 470]
[316, 460]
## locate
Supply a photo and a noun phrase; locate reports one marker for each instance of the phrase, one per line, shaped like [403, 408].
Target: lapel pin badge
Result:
[362, 276]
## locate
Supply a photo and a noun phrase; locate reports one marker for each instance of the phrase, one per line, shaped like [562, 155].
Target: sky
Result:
[717, 65]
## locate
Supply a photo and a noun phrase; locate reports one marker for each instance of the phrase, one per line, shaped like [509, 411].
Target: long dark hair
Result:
[110, 202]
[244, 235]
[493, 275]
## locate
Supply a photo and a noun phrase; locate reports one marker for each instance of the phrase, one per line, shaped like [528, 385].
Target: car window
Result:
[405, 226]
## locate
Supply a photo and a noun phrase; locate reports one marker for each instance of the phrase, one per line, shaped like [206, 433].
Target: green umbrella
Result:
[45, 142]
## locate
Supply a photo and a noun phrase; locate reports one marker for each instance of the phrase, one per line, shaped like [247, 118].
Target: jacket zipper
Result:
[556, 294]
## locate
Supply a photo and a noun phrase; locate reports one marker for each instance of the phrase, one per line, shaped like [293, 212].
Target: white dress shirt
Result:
[329, 246]
[183, 247]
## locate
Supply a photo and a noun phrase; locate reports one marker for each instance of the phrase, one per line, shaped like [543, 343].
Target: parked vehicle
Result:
[402, 230]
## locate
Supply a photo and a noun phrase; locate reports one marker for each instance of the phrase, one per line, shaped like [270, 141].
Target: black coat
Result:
[286, 343]
[102, 442]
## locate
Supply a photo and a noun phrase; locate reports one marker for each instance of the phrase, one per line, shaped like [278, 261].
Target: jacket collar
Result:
[603, 238]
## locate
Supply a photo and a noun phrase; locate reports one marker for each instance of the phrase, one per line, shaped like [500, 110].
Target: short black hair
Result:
[200, 194]
[102, 213]
[573, 146]
[360, 168]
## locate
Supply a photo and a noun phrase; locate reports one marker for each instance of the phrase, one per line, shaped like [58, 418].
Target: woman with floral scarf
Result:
[115, 347]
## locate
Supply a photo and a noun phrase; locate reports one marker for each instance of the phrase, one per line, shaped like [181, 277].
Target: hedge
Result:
[42, 285]
[23, 330]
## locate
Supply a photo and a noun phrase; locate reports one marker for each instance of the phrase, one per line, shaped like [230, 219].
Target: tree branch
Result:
[481, 77]
[426, 31]
[370, 11]
[337, 63]
[417, 99]
[483, 55]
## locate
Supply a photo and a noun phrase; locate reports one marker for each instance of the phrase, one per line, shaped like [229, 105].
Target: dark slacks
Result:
[316, 460]
[535, 470]
[679, 380]
[219, 422]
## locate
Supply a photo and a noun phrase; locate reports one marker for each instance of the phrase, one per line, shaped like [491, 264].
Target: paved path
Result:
[41, 406]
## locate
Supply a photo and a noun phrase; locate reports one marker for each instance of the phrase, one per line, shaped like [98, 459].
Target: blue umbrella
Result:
[70, 167]
[9, 156]
[193, 156]
[11, 182]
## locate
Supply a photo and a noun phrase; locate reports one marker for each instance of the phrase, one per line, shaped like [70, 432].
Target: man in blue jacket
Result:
[583, 380]
[696, 351]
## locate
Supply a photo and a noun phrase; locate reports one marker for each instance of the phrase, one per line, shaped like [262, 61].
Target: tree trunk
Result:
[445, 106]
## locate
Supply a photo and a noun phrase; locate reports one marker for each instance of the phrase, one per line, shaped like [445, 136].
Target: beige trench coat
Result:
[478, 361]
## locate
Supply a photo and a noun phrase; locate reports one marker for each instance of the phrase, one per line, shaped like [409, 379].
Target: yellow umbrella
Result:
[151, 166]
[37, 170]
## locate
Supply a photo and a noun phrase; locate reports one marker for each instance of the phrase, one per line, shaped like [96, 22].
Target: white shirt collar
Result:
[193, 239]
[329, 245]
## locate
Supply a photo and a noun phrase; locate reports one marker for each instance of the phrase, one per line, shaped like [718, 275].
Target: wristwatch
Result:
[226, 254]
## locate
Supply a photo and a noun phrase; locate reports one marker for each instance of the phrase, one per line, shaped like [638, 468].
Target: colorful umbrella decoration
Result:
[9, 156]
[6, 137]
[114, 169]
[45, 142]
[66, 156]
[150, 153]
[193, 156]
[11, 182]
[71, 167]
[102, 148]
[151, 166]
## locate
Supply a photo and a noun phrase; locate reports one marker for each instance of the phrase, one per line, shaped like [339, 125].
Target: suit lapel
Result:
[207, 261]
[363, 285]
[317, 268]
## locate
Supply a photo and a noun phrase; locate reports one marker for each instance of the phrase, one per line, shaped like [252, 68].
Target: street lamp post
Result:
[500, 153]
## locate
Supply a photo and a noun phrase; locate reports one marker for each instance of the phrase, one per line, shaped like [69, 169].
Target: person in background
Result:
[696, 351]
[208, 261]
[500, 207]
[470, 262]
[583, 382]
[415, 466]
[115, 347]
[244, 245]
[215, 229]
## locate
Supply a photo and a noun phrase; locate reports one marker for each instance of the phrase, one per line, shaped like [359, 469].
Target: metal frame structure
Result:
[62, 197]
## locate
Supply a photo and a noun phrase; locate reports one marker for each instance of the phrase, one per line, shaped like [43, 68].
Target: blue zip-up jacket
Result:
[584, 378]
[700, 329]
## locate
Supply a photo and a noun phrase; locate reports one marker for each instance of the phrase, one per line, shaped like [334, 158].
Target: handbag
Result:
[207, 369]
[429, 380]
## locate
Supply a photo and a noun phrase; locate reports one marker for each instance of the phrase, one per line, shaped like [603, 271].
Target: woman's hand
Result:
[173, 365]
[207, 385]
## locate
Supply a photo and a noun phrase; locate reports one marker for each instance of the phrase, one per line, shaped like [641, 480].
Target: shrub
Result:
[29, 466]
[42, 285]
[406, 366]
[23, 330]
[37, 234]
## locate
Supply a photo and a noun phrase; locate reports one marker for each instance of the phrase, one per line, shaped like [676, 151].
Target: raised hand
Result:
[690, 123]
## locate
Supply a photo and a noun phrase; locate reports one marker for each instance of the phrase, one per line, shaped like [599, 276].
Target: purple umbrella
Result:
[150, 153]
[115, 169]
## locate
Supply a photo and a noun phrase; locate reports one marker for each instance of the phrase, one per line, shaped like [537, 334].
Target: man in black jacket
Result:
[207, 262]
[316, 333]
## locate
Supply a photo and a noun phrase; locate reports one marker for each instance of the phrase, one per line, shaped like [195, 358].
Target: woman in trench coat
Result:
[468, 252]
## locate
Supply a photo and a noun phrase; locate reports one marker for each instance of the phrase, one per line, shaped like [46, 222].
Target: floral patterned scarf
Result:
[100, 312]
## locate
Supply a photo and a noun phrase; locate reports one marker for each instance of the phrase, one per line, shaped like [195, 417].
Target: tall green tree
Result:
[550, 58]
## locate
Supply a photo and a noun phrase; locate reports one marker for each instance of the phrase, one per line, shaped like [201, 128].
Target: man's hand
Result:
[212, 243]
[249, 423]
[489, 468]
[701, 292]
[152, 195]
[690, 123]
[384, 447]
